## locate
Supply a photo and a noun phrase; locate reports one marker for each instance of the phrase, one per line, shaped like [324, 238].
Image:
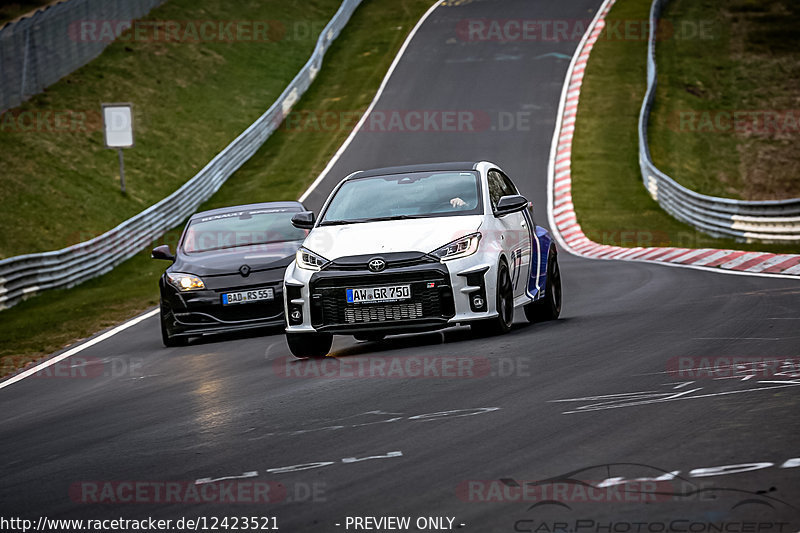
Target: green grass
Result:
[743, 58]
[612, 205]
[190, 100]
[288, 162]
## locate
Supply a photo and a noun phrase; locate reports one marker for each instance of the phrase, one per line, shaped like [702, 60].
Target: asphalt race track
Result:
[589, 397]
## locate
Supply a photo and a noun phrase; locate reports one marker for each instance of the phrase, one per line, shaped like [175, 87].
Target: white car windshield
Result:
[399, 196]
[242, 228]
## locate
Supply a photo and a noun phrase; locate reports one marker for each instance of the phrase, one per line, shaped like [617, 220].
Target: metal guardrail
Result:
[25, 275]
[38, 50]
[750, 221]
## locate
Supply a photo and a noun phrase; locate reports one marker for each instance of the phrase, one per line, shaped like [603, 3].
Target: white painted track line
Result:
[79, 348]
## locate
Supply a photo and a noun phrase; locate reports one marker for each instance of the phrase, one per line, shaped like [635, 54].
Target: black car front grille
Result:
[237, 313]
[382, 313]
[205, 307]
[249, 311]
[431, 298]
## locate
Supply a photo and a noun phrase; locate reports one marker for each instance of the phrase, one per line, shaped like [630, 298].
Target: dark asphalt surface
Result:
[227, 406]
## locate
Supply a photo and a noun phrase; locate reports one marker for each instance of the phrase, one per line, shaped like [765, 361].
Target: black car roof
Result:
[430, 167]
[262, 205]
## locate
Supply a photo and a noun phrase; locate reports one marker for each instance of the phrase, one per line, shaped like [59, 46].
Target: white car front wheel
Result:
[549, 307]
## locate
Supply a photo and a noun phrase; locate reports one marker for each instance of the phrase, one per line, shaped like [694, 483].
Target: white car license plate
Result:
[389, 293]
[256, 295]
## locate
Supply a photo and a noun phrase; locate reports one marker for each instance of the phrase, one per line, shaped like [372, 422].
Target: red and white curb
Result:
[561, 212]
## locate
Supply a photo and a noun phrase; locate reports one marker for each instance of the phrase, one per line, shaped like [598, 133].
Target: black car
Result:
[227, 273]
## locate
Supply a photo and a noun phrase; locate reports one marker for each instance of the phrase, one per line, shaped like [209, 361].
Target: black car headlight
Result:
[309, 260]
[462, 247]
[185, 282]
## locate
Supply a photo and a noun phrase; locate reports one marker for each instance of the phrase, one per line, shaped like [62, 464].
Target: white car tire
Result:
[549, 307]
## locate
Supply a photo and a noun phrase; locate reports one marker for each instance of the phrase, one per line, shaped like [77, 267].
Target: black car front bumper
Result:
[201, 312]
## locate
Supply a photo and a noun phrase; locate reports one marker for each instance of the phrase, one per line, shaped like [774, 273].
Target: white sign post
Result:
[118, 132]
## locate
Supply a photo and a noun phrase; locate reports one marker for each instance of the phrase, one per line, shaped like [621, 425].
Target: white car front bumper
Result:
[471, 279]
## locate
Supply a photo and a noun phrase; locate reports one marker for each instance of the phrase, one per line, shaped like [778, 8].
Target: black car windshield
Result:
[399, 196]
[250, 227]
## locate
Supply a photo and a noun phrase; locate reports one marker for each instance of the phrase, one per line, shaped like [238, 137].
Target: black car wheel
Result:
[504, 296]
[549, 307]
[169, 340]
[309, 345]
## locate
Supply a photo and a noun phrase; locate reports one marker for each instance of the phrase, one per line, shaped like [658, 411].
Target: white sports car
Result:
[418, 248]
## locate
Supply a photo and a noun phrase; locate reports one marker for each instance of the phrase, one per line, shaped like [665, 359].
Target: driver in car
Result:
[457, 202]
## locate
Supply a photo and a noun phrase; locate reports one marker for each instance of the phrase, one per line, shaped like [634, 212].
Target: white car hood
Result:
[415, 235]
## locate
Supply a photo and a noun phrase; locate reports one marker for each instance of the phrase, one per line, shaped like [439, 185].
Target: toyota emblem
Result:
[244, 270]
[376, 265]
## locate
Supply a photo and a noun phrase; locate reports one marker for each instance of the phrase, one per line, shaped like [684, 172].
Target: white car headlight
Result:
[185, 282]
[309, 260]
[459, 248]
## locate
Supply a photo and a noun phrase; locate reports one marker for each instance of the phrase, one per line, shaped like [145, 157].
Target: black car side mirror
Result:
[304, 220]
[162, 252]
[510, 204]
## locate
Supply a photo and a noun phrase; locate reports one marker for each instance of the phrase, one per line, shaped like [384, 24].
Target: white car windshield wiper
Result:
[339, 222]
[395, 217]
[375, 219]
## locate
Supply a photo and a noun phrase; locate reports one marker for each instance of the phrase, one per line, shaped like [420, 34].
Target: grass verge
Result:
[725, 123]
[191, 96]
[612, 205]
[286, 164]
